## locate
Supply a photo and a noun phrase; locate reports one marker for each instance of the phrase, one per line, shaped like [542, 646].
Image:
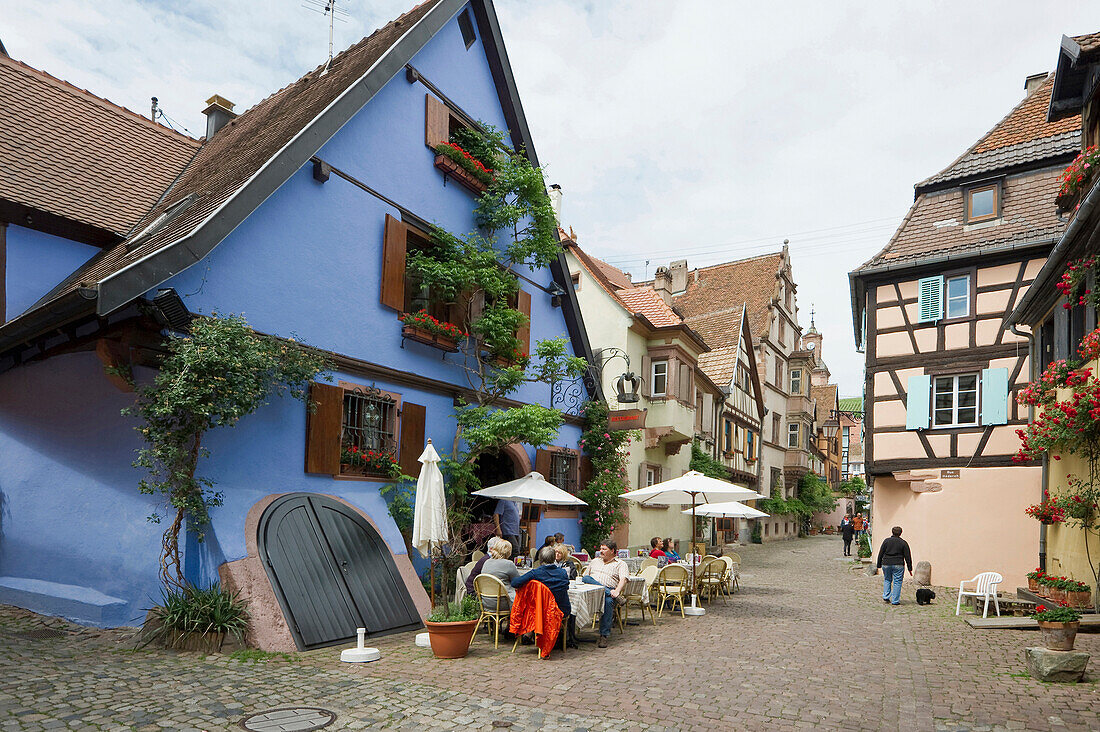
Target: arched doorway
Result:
[493, 468]
[331, 572]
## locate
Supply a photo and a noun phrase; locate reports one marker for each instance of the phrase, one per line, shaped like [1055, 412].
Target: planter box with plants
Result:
[193, 619]
[456, 162]
[423, 328]
[371, 463]
[451, 628]
[1077, 179]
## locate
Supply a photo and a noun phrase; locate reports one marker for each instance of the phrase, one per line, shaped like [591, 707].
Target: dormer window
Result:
[983, 203]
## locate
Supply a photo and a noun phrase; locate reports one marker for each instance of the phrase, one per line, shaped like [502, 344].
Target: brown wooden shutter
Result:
[393, 264]
[437, 122]
[641, 476]
[585, 471]
[576, 469]
[542, 462]
[323, 427]
[523, 305]
[647, 376]
[413, 418]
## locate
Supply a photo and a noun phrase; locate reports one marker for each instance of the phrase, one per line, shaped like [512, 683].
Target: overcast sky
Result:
[709, 131]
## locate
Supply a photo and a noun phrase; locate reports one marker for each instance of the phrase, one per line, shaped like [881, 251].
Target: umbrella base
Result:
[693, 610]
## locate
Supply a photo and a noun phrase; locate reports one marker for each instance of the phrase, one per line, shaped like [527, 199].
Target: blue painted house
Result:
[298, 214]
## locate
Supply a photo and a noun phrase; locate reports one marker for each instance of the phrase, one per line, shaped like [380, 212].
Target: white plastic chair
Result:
[985, 586]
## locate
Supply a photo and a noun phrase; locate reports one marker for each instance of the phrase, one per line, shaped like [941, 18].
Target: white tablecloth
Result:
[586, 601]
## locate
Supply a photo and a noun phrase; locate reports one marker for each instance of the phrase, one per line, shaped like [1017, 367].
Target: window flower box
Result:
[435, 340]
[354, 461]
[452, 160]
[1077, 179]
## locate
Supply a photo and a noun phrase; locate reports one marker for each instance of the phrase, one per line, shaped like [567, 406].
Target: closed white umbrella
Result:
[728, 509]
[430, 509]
[692, 487]
[531, 488]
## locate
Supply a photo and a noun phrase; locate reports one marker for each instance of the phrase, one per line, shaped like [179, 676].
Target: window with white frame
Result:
[957, 297]
[652, 475]
[796, 381]
[955, 400]
[659, 378]
[792, 434]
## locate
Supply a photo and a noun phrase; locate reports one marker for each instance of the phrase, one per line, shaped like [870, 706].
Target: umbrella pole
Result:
[431, 581]
[694, 609]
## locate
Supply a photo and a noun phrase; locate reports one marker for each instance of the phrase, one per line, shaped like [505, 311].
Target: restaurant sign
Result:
[626, 419]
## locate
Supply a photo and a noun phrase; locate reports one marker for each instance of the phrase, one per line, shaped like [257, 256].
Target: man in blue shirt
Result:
[506, 518]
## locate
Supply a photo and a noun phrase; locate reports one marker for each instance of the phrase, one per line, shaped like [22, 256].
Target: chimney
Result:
[555, 201]
[679, 272]
[1032, 82]
[662, 283]
[217, 114]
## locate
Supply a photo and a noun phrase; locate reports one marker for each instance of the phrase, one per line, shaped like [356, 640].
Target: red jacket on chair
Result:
[536, 610]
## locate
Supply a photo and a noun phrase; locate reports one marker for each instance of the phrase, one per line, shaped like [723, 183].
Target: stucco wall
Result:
[36, 262]
[975, 523]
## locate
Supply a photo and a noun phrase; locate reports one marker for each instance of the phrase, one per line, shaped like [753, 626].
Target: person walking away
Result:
[847, 530]
[893, 558]
[506, 518]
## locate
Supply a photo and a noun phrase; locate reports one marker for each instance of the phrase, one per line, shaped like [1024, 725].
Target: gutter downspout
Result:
[1031, 418]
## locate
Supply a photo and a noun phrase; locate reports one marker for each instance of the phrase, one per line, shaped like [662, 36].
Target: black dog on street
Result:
[925, 596]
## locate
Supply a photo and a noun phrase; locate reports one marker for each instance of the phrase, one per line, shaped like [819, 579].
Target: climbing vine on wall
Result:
[608, 452]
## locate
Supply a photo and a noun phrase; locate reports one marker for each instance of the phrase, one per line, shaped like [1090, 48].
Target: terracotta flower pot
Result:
[435, 340]
[1058, 636]
[1032, 585]
[451, 640]
[1057, 594]
[1079, 599]
[1042, 590]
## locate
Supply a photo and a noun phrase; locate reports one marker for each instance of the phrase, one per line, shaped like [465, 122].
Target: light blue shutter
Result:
[916, 404]
[931, 299]
[994, 396]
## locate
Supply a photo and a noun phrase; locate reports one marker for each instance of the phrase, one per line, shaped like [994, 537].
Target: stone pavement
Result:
[807, 643]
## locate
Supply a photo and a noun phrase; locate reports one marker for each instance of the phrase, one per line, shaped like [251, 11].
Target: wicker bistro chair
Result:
[728, 578]
[650, 562]
[576, 564]
[489, 588]
[735, 570]
[700, 570]
[711, 580]
[672, 584]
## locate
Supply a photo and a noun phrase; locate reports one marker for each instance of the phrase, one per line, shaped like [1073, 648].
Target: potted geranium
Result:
[424, 328]
[1057, 626]
[451, 627]
[1058, 589]
[1077, 179]
[1043, 589]
[1078, 594]
[354, 459]
[1033, 579]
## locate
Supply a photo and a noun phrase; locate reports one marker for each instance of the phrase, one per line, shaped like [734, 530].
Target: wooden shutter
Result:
[412, 438]
[323, 427]
[576, 468]
[585, 470]
[917, 402]
[437, 122]
[393, 264]
[641, 476]
[994, 396]
[542, 462]
[523, 305]
[647, 377]
[930, 299]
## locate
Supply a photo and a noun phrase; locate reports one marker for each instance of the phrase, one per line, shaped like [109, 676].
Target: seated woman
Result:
[670, 552]
[561, 560]
[655, 548]
[501, 566]
[480, 564]
[550, 574]
[559, 538]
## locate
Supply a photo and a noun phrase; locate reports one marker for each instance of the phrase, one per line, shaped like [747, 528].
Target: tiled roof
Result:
[244, 145]
[610, 278]
[934, 224]
[1023, 136]
[851, 404]
[1088, 42]
[714, 297]
[720, 364]
[646, 302]
[75, 155]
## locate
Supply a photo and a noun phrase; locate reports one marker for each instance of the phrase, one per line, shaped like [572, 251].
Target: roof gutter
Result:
[1055, 260]
[856, 277]
[55, 314]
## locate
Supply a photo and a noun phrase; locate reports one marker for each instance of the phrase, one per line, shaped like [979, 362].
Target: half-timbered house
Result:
[298, 213]
[942, 364]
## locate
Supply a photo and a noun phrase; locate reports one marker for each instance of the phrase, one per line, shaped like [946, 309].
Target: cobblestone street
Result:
[807, 643]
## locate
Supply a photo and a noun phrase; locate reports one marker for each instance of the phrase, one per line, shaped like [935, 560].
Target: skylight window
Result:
[170, 213]
[982, 203]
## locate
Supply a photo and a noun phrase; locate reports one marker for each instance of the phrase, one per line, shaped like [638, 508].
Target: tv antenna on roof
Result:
[327, 7]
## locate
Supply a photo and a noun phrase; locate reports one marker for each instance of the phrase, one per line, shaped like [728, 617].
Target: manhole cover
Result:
[41, 634]
[286, 720]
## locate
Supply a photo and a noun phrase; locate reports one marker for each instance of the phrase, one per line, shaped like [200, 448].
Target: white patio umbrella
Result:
[727, 509]
[692, 487]
[430, 509]
[531, 488]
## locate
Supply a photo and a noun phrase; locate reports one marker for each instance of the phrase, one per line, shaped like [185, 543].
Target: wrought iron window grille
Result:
[370, 421]
[563, 471]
